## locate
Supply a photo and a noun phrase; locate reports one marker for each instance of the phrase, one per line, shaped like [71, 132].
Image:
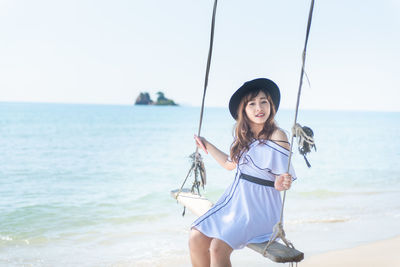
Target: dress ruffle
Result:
[267, 156]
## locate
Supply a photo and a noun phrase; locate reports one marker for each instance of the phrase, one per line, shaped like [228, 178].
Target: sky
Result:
[107, 52]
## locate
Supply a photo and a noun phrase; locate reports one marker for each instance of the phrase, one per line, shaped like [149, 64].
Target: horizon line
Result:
[188, 105]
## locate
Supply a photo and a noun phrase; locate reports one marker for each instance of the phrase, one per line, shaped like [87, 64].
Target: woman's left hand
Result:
[283, 182]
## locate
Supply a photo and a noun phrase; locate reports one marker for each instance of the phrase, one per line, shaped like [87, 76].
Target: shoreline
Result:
[375, 254]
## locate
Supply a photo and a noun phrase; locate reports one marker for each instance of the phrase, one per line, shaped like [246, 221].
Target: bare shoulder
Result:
[280, 137]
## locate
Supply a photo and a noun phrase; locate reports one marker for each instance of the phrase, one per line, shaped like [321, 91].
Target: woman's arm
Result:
[217, 154]
[283, 181]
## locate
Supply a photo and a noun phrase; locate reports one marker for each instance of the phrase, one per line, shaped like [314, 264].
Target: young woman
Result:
[251, 205]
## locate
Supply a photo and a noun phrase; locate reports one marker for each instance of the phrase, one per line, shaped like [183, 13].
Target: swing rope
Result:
[278, 228]
[197, 163]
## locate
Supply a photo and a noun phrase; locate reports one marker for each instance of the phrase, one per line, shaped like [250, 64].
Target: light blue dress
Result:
[247, 212]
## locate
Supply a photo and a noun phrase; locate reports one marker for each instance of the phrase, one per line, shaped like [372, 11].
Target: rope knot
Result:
[278, 232]
[305, 140]
[199, 171]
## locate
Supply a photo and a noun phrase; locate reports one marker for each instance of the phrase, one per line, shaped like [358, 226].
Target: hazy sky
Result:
[80, 51]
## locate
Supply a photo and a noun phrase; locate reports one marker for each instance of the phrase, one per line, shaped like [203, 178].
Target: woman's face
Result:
[258, 109]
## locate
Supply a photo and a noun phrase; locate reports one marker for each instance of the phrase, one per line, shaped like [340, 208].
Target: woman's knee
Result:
[198, 241]
[220, 250]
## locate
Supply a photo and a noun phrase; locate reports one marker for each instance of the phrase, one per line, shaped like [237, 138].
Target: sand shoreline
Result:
[376, 254]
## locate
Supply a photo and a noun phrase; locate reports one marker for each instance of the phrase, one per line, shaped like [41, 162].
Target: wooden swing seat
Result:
[199, 205]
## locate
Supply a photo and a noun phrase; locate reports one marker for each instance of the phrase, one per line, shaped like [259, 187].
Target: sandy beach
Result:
[377, 254]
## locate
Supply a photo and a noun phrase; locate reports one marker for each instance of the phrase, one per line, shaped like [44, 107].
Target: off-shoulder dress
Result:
[247, 211]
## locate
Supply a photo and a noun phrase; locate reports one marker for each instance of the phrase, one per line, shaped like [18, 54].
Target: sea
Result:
[89, 185]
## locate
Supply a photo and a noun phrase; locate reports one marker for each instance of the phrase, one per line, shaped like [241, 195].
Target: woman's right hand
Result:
[283, 182]
[218, 155]
[200, 142]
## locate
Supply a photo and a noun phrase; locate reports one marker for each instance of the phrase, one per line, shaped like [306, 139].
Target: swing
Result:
[192, 199]
[199, 205]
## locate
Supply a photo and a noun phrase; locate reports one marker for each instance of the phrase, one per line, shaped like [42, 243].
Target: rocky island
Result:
[145, 99]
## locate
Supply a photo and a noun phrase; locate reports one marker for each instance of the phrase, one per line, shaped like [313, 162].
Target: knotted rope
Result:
[305, 140]
[278, 231]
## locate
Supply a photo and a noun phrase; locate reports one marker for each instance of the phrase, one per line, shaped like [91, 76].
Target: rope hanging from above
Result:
[197, 167]
[278, 228]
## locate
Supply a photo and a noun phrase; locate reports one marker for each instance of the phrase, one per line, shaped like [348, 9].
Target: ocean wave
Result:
[137, 218]
[322, 193]
[5, 238]
[19, 240]
[314, 221]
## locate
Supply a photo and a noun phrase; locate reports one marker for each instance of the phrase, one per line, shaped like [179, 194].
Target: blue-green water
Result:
[88, 185]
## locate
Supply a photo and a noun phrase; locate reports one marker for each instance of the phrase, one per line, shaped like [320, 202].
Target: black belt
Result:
[257, 180]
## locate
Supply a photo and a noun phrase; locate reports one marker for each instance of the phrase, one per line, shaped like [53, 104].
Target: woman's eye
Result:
[252, 104]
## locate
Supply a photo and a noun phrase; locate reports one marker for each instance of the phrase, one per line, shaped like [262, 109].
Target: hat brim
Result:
[253, 85]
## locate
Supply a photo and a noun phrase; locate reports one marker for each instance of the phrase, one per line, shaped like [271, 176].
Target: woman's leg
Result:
[220, 253]
[199, 245]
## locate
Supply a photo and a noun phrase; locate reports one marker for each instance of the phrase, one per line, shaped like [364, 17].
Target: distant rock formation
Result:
[162, 100]
[144, 99]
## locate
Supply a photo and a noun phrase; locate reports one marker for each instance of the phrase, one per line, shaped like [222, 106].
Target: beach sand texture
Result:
[377, 254]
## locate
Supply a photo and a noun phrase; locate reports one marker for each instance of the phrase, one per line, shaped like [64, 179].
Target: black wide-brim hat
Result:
[254, 85]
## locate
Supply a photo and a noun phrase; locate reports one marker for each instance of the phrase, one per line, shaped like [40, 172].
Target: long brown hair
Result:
[242, 131]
